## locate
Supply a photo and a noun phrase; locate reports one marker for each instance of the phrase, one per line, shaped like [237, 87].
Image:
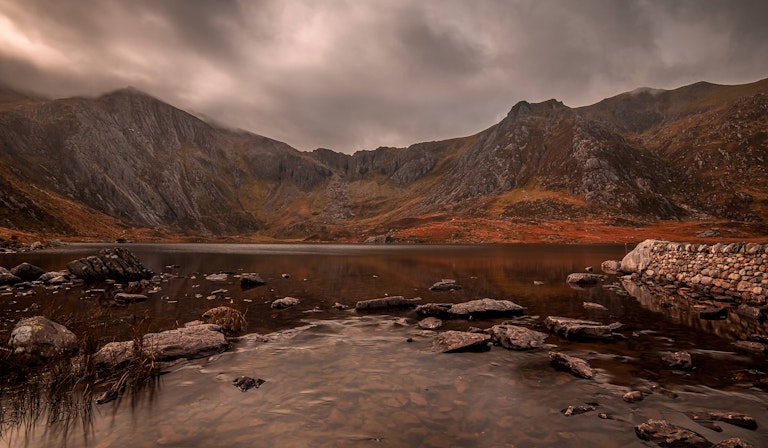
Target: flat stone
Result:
[486, 308]
[666, 434]
[217, 277]
[430, 323]
[123, 298]
[445, 284]
[580, 329]
[581, 278]
[285, 302]
[384, 303]
[460, 341]
[576, 366]
[514, 337]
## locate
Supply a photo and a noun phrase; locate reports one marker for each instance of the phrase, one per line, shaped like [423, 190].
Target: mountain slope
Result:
[126, 161]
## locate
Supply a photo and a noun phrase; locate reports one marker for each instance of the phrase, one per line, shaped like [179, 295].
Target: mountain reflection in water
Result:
[339, 378]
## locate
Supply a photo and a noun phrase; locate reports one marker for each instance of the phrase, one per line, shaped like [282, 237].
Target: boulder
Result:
[386, 303]
[54, 277]
[193, 342]
[229, 319]
[7, 278]
[639, 258]
[445, 284]
[572, 364]
[285, 302]
[460, 341]
[123, 298]
[666, 434]
[733, 418]
[513, 337]
[39, 337]
[678, 360]
[580, 329]
[27, 272]
[583, 279]
[486, 308]
[117, 264]
[633, 396]
[733, 442]
[610, 266]
[251, 281]
[430, 323]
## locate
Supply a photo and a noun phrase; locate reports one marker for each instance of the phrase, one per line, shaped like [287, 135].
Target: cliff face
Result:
[127, 160]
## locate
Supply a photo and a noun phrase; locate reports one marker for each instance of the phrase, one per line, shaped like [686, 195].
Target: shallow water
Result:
[344, 379]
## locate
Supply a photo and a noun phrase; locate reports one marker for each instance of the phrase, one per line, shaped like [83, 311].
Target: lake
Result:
[340, 378]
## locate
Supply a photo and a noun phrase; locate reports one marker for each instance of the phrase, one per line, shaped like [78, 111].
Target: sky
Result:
[358, 74]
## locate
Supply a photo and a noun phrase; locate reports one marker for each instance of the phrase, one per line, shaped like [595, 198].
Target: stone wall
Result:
[737, 270]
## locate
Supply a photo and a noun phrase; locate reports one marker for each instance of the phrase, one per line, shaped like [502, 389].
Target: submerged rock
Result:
[513, 337]
[732, 418]
[572, 364]
[123, 298]
[678, 360]
[251, 281]
[40, 338]
[576, 410]
[580, 278]
[285, 302]
[580, 329]
[386, 303]
[445, 284]
[430, 323]
[222, 277]
[666, 434]
[460, 341]
[245, 382]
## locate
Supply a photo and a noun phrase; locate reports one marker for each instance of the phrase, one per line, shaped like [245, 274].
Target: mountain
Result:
[126, 163]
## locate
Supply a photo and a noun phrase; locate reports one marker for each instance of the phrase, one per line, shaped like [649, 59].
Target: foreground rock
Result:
[480, 308]
[384, 303]
[733, 418]
[117, 264]
[580, 329]
[584, 279]
[460, 341]
[229, 319]
[245, 382]
[6, 278]
[192, 342]
[27, 272]
[572, 364]
[251, 281]
[445, 284]
[678, 360]
[285, 302]
[40, 338]
[666, 434]
[513, 337]
[430, 323]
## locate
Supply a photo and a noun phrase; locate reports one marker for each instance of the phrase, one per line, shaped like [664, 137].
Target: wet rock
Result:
[192, 342]
[514, 337]
[591, 306]
[430, 323]
[40, 338]
[285, 302]
[124, 298]
[340, 306]
[229, 319]
[633, 396]
[245, 382]
[118, 264]
[6, 278]
[678, 360]
[445, 284]
[386, 303]
[572, 364]
[222, 277]
[583, 279]
[576, 410]
[732, 418]
[434, 309]
[666, 434]
[460, 341]
[733, 442]
[639, 258]
[751, 346]
[610, 266]
[580, 329]
[485, 308]
[27, 272]
[54, 277]
[251, 281]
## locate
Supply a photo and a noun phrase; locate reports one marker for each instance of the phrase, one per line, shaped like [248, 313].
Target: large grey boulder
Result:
[460, 341]
[39, 337]
[192, 342]
[514, 337]
[117, 264]
[639, 258]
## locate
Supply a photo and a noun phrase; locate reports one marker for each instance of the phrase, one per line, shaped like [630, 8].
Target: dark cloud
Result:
[357, 74]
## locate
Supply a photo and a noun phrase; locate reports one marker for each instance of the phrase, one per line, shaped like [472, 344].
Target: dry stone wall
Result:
[736, 270]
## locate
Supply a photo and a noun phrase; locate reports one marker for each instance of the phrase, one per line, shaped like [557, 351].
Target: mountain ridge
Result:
[695, 154]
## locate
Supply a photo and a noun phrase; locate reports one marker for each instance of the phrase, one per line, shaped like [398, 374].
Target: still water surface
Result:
[339, 378]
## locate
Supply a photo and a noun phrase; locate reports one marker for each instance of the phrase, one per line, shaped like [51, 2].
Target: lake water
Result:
[340, 378]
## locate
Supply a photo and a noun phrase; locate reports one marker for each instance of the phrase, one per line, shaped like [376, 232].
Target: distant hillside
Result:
[128, 164]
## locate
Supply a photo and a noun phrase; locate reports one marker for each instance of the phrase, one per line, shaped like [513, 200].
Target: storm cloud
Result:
[358, 74]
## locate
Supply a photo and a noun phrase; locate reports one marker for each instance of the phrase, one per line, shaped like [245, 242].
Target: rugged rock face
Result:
[91, 166]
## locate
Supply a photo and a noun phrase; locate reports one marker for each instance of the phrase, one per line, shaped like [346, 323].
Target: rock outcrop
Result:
[118, 264]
